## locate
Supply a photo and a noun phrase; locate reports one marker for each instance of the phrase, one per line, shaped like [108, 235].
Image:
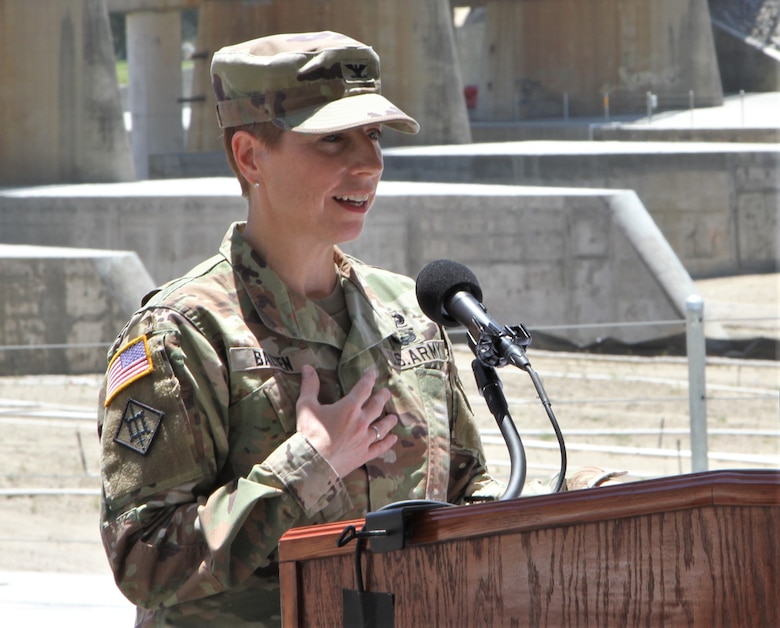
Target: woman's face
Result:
[320, 187]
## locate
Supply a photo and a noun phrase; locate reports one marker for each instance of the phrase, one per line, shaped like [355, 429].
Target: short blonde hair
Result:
[266, 132]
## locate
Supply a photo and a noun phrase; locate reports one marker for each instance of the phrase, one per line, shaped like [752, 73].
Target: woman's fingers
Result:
[351, 431]
[361, 391]
[310, 384]
[381, 428]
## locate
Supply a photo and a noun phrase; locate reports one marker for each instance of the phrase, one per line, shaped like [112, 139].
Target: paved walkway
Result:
[42, 600]
[760, 110]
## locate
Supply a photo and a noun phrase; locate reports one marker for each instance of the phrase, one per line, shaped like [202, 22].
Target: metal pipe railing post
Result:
[697, 393]
[691, 105]
[742, 106]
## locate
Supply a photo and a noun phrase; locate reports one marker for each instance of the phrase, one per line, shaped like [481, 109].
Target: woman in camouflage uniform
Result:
[280, 383]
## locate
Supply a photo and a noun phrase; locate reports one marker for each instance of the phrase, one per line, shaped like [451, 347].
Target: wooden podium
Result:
[692, 550]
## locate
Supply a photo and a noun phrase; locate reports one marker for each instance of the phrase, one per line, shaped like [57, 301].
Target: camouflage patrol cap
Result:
[305, 82]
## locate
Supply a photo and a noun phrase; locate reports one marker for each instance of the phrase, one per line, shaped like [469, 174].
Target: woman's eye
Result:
[375, 134]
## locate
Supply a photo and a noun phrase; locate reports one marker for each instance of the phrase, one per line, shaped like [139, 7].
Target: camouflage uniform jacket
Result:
[202, 468]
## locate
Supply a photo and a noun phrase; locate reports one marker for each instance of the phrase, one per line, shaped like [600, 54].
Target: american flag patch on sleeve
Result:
[131, 363]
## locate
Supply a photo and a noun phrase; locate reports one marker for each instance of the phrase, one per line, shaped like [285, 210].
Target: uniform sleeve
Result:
[469, 476]
[175, 525]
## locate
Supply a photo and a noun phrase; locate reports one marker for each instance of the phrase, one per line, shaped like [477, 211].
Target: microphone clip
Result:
[491, 346]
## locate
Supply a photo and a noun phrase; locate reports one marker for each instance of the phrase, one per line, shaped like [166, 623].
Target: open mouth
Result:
[358, 201]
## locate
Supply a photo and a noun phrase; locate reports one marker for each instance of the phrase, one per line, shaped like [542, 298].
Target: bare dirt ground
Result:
[618, 412]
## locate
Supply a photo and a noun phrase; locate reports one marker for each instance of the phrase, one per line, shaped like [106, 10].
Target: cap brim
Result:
[350, 112]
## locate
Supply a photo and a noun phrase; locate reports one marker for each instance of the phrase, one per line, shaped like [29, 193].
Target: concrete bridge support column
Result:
[154, 65]
[414, 39]
[539, 55]
[60, 111]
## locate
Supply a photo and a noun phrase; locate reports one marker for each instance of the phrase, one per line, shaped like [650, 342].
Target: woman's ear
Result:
[247, 151]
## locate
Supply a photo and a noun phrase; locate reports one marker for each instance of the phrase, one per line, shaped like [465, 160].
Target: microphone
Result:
[449, 294]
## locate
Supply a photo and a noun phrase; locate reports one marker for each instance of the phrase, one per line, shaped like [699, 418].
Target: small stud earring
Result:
[257, 185]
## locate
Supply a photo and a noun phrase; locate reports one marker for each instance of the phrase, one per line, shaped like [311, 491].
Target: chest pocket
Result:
[266, 387]
[261, 421]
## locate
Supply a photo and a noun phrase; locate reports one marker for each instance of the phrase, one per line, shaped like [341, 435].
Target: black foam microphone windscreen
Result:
[437, 282]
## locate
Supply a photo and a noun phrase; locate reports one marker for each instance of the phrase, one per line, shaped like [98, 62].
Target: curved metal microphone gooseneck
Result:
[489, 386]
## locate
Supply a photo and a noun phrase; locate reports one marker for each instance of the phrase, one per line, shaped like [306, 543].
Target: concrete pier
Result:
[595, 55]
[60, 111]
[154, 61]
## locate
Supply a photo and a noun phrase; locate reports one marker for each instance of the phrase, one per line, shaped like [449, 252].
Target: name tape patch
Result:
[253, 358]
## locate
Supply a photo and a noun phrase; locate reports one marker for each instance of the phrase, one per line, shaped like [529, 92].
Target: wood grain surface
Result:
[695, 550]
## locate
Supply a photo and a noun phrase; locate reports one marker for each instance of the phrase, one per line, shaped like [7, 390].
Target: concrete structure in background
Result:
[747, 42]
[154, 59]
[60, 111]
[745, 67]
[414, 39]
[66, 301]
[528, 58]
[544, 256]
[154, 53]
[171, 225]
[718, 205]
[548, 256]
[541, 58]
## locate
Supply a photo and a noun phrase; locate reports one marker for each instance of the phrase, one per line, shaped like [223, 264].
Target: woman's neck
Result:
[306, 269]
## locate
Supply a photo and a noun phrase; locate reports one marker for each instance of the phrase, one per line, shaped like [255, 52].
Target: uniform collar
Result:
[290, 314]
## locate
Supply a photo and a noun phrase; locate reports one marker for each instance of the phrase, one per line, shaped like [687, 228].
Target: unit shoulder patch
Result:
[138, 426]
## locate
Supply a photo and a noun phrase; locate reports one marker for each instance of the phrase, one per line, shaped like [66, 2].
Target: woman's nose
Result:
[368, 156]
